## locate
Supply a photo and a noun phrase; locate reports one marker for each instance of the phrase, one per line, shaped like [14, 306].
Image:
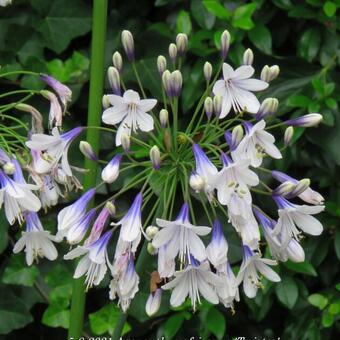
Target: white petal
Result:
[247, 100]
[180, 292]
[196, 245]
[243, 72]
[266, 271]
[226, 105]
[82, 267]
[228, 71]
[163, 236]
[146, 105]
[144, 121]
[219, 88]
[206, 290]
[114, 115]
[251, 84]
[125, 126]
[131, 96]
[308, 224]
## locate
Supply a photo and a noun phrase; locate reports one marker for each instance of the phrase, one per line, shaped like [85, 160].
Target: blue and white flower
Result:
[309, 195]
[256, 144]
[16, 195]
[195, 280]
[251, 264]
[206, 170]
[293, 217]
[131, 112]
[36, 241]
[72, 214]
[217, 249]
[94, 260]
[55, 148]
[131, 223]
[235, 89]
[153, 302]
[181, 237]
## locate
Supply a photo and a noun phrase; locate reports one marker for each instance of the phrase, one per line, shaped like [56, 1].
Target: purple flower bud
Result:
[309, 120]
[111, 171]
[128, 45]
[183, 215]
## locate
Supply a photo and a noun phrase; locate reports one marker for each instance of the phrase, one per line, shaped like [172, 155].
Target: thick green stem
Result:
[93, 137]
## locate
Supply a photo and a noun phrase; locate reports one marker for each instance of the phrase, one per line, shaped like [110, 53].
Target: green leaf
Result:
[260, 36]
[216, 322]
[334, 308]
[3, 231]
[309, 44]
[172, 325]
[216, 8]
[287, 292]
[298, 101]
[13, 311]
[18, 273]
[65, 21]
[318, 300]
[329, 8]
[302, 267]
[104, 320]
[242, 16]
[331, 103]
[56, 316]
[183, 24]
[327, 319]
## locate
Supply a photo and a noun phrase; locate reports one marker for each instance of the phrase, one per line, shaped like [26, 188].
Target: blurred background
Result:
[302, 37]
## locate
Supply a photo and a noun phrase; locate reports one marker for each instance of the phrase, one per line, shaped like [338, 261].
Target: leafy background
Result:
[300, 36]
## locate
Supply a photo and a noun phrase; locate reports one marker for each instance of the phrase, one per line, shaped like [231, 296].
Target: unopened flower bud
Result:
[166, 80]
[268, 107]
[248, 57]
[105, 101]
[128, 45]
[207, 71]
[196, 182]
[176, 83]
[181, 43]
[153, 302]
[151, 249]
[9, 168]
[173, 51]
[114, 80]
[164, 117]
[151, 231]
[86, 149]
[236, 136]
[117, 61]
[225, 44]
[288, 135]
[208, 106]
[299, 188]
[111, 208]
[284, 188]
[161, 64]
[125, 139]
[312, 119]
[295, 252]
[265, 74]
[274, 72]
[37, 119]
[111, 171]
[217, 105]
[155, 157]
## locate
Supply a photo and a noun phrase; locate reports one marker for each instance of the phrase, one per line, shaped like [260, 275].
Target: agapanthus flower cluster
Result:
[216, 168]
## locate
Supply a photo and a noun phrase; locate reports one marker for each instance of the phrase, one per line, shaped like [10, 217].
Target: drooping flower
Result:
[251, 264]
[218, 247]
[181, 237]
[256, 143]
[36, 241]
[236, 87]
[166, 265]
[17, 196]
[131, 112]
[111, 171]
[125, 285]
[309, 195]
[55, 147]
[73, 213]
[227, 292]
[294, 216]
[131, 223]
[98, 225]
[55, 116]
[195, 280]
[206, 170]
[63, 91]
[94, 261]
